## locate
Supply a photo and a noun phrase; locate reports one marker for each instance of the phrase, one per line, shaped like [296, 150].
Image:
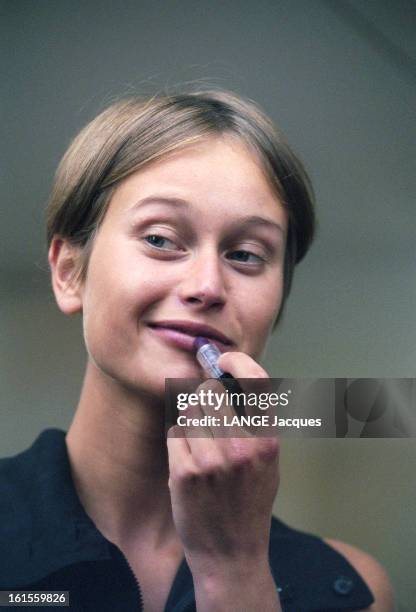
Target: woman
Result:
[170, 218]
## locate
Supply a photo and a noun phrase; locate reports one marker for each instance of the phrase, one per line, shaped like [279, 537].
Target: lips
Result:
[190, 329]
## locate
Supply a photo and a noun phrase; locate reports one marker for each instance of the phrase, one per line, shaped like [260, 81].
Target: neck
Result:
[119, 462]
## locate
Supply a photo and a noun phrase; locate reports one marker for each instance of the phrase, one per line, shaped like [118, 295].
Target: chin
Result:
[153, 382]
[182, 371]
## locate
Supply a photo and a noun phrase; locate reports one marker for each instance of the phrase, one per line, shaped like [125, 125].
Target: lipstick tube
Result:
[207, 355]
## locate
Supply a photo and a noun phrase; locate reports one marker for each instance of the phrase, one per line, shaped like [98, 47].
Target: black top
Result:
[48, 542]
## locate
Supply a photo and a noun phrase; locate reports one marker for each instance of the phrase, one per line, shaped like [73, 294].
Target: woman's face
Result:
[191, 245]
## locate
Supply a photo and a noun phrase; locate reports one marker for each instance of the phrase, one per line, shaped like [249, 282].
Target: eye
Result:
[245, 257]
[160, 242]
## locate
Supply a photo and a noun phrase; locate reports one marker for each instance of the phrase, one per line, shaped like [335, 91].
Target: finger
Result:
[241, 365]
[252, 378]
[256, 386]
[195, 419]
[206, 454]
[179, 453]
[221, 409]
[200, 429]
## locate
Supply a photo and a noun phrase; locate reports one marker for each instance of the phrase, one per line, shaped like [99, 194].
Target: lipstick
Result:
[207, 355]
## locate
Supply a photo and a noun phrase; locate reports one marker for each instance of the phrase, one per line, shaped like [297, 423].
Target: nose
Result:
[203, 286]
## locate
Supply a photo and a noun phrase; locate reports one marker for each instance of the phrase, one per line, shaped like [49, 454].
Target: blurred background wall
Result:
[339, 79]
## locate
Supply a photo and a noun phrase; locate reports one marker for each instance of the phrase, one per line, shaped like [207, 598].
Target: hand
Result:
[222, 491]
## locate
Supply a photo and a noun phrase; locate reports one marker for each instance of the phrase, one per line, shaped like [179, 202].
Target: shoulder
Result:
[371, 571]
[24, 476]
[313, 574]
[33, 504]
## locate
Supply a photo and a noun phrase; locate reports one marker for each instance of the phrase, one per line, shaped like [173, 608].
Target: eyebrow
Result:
[176, 202]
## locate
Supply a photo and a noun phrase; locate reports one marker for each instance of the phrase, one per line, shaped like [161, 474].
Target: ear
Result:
[63, 259]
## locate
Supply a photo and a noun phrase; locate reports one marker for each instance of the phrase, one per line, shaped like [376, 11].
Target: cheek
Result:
[275, 303]
[268, 300]
[261, 313]
[114, 305]
[102, 323]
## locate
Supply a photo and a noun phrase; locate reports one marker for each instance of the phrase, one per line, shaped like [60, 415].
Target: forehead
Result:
[218, 174]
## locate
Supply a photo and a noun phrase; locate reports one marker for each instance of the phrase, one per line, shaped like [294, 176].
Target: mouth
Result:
[183, 334]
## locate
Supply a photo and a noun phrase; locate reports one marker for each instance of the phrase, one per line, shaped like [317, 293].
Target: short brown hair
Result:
[138, 130]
